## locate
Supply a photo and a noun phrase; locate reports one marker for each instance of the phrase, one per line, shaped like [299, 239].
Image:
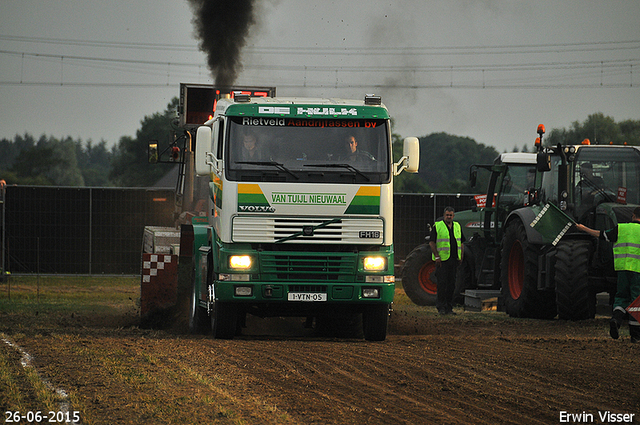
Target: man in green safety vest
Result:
[447, 251]
[626, 261]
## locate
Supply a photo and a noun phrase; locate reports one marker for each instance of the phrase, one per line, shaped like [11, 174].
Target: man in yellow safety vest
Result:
[626, 261]
[447, 251]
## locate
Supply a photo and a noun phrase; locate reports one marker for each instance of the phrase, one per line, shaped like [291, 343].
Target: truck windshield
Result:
[308, 150]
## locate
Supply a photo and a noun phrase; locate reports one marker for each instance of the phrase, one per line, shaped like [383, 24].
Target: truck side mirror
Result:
[203, 150]
[410, 157]
[473, 177]
[411, 150]
[543, 161]
[152, 151]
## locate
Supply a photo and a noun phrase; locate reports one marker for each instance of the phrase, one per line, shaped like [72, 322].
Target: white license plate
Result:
[307, 296]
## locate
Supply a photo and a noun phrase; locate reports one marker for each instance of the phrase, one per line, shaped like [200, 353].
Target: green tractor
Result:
[510, 248]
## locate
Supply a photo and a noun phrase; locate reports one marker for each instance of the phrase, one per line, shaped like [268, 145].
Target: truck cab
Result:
[301, 213]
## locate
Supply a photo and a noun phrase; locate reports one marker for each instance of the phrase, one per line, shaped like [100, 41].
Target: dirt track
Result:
[471, 368]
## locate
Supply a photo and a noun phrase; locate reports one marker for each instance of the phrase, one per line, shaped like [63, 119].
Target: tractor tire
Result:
[418, 276]
[519, 277]
[574, 298]
[375, 320]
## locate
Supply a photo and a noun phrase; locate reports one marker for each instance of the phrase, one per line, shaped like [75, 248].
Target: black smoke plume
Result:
[222, 27]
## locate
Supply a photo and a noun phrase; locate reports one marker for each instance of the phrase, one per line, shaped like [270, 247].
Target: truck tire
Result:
[418, 276]
[374, 322]
[198, 321]
[224, 320]
[519, 276]
[574, 297]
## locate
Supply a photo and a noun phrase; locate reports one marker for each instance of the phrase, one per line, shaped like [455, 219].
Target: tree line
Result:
[49, 161]
[444, 158]
[598, 129]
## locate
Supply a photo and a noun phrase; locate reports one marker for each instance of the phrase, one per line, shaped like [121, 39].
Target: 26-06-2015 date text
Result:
[40, 417]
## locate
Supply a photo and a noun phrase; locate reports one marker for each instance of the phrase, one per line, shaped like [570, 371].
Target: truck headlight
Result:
[242, 262]
[375, 263]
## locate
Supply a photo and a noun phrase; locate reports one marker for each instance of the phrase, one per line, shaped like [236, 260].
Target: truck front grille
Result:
[321, 267]
[264, 229]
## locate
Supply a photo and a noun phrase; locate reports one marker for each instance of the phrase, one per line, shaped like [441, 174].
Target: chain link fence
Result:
[414, 212]
[53, 230]
[57, 230]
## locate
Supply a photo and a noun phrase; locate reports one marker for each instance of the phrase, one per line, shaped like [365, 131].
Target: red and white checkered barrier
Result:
[155, 263]
[158, 288]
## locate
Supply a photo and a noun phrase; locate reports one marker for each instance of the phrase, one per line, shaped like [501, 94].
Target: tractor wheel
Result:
[519, 274]
[375, 319]
[574, 298]
[224, 320]
[418, 276]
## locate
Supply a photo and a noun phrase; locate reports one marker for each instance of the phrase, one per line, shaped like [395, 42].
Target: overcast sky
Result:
[489, 70]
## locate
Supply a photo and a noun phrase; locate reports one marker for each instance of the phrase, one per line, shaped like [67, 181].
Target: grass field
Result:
[68, 294]
[31, 305]
[82, 335]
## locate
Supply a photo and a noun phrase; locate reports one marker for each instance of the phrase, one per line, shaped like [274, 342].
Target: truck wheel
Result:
[574, 298]
[224, 320]
[198, 323]
[519, 274]
[418, 276]
[374, 322]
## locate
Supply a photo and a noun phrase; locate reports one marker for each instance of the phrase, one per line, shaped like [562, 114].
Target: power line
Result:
[369, 50]
[534, 74]
[452, 50]
[97, 59]
[96, 43]
[400, 68]
[79, 84]
[395, 86]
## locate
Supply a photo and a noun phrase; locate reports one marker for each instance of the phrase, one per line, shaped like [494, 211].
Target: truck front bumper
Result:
[292, 292]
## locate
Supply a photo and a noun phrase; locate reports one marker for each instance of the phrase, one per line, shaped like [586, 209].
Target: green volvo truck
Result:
[300, 216]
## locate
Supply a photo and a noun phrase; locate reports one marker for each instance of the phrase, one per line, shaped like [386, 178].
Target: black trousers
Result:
[446, 276]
